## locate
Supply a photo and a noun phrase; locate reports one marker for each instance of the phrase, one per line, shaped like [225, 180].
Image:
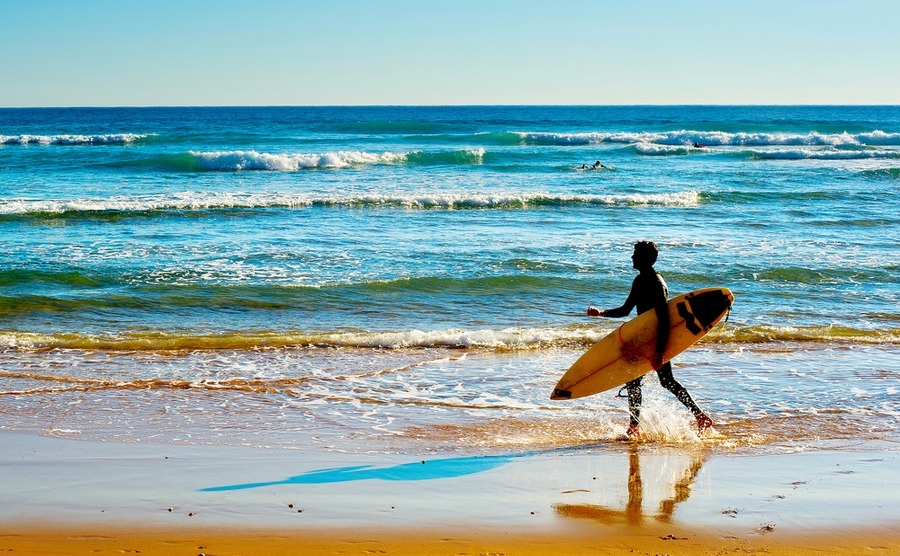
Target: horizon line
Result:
[513, 105]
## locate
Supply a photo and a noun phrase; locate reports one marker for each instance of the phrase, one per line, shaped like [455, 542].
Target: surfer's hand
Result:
[595, 312]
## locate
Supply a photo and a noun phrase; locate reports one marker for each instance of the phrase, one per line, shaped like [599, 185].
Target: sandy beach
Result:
[78, 497]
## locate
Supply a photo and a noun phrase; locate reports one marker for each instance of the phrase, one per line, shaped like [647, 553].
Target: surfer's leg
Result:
[634, 410]
[667, 379]
[634, 400]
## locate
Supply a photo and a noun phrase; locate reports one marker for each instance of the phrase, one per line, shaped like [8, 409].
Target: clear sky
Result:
[338, 52]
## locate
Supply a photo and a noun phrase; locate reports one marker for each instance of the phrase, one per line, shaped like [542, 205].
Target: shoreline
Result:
[74, 497]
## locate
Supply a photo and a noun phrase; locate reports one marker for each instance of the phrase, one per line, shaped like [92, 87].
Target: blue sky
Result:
[338, 52]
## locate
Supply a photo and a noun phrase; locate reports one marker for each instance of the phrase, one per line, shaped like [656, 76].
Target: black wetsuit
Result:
[649, 291]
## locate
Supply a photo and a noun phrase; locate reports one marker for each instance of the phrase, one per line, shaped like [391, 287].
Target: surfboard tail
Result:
[560, 394]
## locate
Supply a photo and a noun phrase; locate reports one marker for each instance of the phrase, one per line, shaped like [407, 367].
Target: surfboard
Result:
[625, 354]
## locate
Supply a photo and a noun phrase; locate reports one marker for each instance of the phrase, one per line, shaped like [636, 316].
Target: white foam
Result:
[45, 140]
[824, 154]
[879, 137]
[510, 338]
[177, 201]
[717, 138]
[207, 201]
[586, 138]
[655, 149]
[253, 160]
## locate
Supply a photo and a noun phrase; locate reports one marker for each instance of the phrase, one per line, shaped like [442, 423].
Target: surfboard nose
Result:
[709, 305]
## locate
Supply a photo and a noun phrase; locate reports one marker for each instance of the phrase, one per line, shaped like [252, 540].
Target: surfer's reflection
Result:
[633, 514]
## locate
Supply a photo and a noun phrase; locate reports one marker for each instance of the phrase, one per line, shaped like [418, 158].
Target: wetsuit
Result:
[649, 291]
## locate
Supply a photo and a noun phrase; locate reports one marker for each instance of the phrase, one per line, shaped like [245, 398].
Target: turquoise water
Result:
[396, 276]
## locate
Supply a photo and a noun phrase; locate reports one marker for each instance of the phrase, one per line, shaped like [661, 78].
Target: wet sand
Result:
[77, 497]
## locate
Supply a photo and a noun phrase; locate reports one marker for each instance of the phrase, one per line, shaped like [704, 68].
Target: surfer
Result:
[649, 291]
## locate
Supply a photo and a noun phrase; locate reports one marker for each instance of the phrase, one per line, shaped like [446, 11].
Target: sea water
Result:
[408, 279]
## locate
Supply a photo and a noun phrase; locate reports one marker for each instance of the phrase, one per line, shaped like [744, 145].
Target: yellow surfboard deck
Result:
[626, 353]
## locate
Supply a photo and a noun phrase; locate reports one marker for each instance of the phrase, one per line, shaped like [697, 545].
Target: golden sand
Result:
[641, 541]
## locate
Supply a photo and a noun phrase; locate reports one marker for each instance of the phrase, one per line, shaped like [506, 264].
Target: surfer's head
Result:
[645, 254]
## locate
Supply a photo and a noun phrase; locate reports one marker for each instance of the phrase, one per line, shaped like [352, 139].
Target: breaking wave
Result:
[776, 153]
[253, 160]
[509, 339]
[712, 138]
[194, 201]
[46, 140]
[655, 149]
[822, 154]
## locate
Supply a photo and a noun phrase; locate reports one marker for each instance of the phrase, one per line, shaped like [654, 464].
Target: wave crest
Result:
[883, 173]
[713, 138]
[823, 154]
[46, 140]
[509, 339]
[655, 149]
[253, 160]
[196, 201]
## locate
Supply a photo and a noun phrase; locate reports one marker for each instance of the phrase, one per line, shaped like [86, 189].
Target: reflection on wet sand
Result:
[425, 471]
[678, 485]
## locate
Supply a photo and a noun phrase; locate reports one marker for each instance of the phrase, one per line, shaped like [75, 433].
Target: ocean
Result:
[415, 279]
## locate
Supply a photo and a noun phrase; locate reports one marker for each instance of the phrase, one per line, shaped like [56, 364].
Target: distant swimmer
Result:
[594, 166]
[698, 145]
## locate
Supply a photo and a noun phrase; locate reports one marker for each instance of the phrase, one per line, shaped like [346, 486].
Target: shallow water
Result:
[769, 398]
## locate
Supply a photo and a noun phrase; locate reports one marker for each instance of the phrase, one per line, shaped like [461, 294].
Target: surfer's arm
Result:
[622, 311]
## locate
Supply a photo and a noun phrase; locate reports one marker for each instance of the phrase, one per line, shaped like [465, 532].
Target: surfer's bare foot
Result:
[633, 433]
[703, 423]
